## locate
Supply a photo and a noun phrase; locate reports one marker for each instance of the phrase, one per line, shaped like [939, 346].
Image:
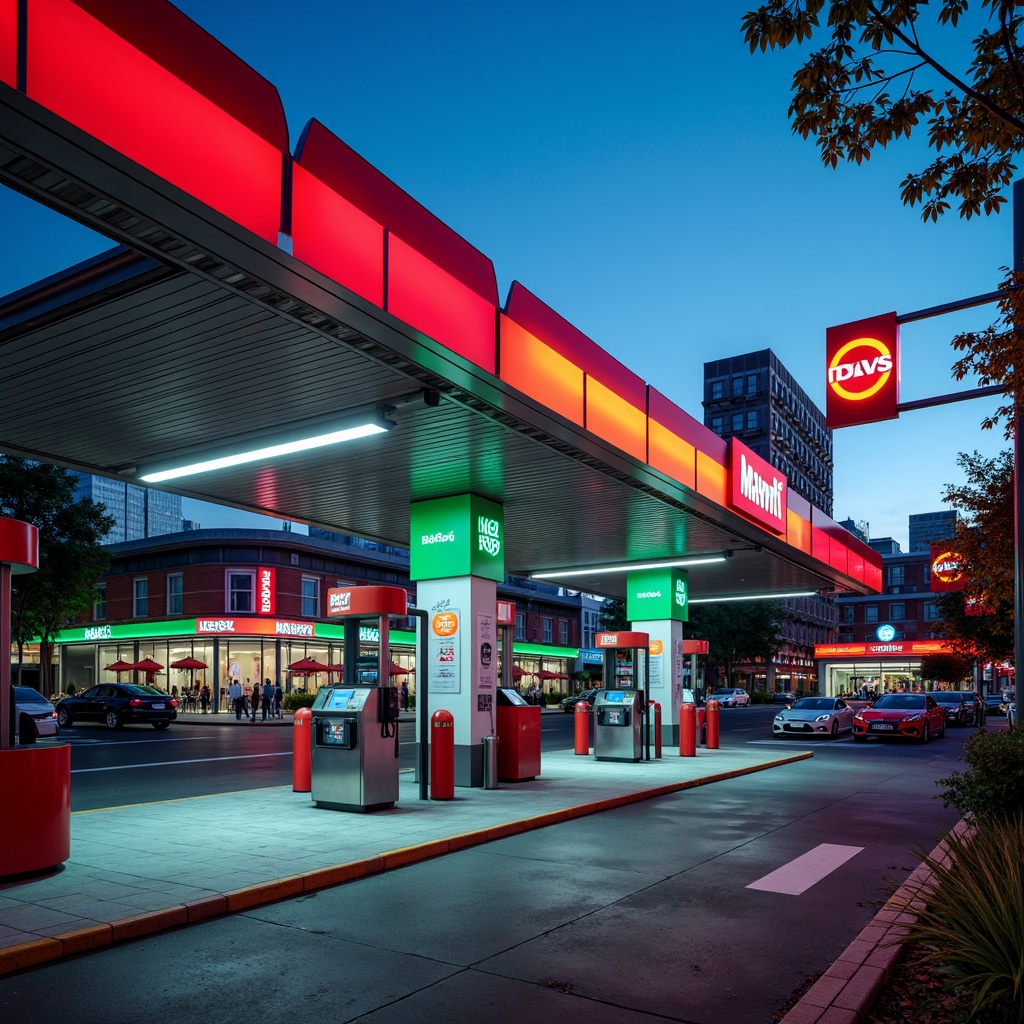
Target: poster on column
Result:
[484, 644]
[443, 651]
[656, 663]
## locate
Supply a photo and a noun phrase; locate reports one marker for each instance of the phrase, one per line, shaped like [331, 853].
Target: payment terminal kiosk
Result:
[620, 708]
[355, 724]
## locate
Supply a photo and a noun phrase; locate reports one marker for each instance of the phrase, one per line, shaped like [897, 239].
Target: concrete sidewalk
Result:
[142, 869]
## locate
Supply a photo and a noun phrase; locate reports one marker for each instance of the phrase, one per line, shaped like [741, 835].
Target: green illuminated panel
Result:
[546, 651]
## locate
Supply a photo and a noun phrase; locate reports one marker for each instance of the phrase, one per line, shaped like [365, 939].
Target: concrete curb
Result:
[846, 993]
[86, 940]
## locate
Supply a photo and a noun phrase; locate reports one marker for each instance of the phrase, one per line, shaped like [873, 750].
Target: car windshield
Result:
[725, 693]
[901, 702]
[131, 688]
[947, 697]
[26, 695]
[815, 704]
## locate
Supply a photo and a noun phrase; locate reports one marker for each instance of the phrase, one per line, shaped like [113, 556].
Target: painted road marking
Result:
[164, 764]
[796, 877]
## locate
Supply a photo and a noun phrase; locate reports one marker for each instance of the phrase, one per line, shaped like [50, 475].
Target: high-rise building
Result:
[755, 398]
[139, 512]
[931, 526]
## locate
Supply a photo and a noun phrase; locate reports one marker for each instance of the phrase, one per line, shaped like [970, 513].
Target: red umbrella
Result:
[119, 667]
[191, 663]
[397, 670]
[307, 667]
[545, 674]
[339, 668]
[147, 665]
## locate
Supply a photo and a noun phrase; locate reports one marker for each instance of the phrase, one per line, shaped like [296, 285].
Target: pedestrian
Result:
[268, 699]
[405, 696]
[237, 701]
[278, 698]
[204, 697]
[255, 698]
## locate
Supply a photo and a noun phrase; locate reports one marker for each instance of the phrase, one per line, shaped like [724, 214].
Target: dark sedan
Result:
[958, 705]
[118, 704]
[569, 703]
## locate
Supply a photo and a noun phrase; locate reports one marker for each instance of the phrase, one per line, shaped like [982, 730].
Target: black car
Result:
[994, 704]
[958, 705]
[117, 704]
[569, 703]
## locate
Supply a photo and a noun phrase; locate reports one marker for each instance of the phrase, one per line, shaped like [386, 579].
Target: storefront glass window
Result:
[310, 597]
[140, 598]
[175, 591]
[240, 589]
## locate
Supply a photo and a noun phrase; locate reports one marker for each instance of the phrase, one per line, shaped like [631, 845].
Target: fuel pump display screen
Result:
[340, 698]
[616, 696]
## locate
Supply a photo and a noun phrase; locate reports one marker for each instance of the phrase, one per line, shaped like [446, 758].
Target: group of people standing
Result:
[268, 698]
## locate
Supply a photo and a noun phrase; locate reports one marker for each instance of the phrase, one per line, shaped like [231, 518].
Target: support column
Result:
[657, 603]
[456, 558]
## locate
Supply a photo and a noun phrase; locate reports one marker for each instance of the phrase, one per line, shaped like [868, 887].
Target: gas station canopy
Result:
[260, 296]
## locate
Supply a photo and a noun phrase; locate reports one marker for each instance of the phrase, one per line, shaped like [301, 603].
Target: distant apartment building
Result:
[755, 398]
[928, 528]
[139, 512]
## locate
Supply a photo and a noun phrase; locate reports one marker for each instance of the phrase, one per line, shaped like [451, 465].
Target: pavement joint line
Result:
[854, 982]
[46, 950]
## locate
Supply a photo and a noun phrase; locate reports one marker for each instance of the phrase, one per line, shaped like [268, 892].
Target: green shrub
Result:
[293, 701]
[760, 697]
[972, 924]
[993, 784]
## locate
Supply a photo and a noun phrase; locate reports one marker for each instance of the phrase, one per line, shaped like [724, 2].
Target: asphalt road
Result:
[645, 913]
[138, 764]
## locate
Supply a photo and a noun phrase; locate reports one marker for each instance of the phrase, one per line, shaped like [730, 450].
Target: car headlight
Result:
[780, 718]
[912, 718]
[859, 718]
[822, 718]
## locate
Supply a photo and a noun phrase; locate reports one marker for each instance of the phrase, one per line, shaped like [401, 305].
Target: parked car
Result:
[569, 703]
[118, 704]
[958, 705]
[913, 716]
[731, 697]
[36, 715]
[994, 704]
[786, 697]
[814, 716]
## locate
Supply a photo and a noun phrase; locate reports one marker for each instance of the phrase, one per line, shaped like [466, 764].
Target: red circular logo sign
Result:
[860, 369]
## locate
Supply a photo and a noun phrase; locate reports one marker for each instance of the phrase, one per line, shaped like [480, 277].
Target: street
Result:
[535, 927]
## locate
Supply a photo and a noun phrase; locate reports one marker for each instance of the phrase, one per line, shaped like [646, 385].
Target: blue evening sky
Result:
[633, 165]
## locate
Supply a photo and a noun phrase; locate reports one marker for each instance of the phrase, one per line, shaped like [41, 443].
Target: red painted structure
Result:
[581, 727]
[302, 751]
[442, 756]
[518, 729]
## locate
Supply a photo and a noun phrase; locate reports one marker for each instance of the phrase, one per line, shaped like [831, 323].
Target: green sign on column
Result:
[463, 535]
[653, 594]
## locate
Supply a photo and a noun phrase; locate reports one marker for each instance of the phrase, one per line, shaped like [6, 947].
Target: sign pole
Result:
[1018, 483]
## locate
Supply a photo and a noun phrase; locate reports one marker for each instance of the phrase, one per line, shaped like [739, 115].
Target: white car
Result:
[814, 716]
[733, 697]
[36, 715]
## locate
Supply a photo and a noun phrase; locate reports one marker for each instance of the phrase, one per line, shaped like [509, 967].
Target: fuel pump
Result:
[355, 725]
[620, 709]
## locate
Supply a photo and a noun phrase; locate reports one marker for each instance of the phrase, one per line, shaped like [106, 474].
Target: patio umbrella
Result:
[147, 665]
[545, 674]
[191, 664]
[119, 667]
[339, 668]
[397, 670]
[308, 667]
[518, 673]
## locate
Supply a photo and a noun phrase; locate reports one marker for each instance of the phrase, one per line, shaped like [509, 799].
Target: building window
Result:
[897, 611]
[717, 390]
[753, 419]
[240, 591]
[897, 575]
[175, 593]
[737, 422]
[591, 625]
[546, 622]
[140, 598]
[848, 612]
[563, 632]
[737, 387]
[99, 604]
[871, 613]
[931, 611]
[716, 424]
[520, 626]
[310, 597]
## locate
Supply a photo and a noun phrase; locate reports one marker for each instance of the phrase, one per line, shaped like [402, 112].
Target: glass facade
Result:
[138, 512]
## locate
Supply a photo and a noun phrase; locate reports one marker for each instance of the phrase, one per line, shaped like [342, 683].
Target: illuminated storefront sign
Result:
[947, 572]
[862, 371]
[886, 633]
[756, 487]
[656, 594]
[266, 590]
[463, 535]
[367, 601]
[895, 649]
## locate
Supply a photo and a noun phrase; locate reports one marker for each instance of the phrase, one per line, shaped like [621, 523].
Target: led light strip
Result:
[628, 567]
[779, 596]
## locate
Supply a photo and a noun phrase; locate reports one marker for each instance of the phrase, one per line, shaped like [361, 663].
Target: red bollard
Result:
[687, 730]
[302, 751]
[581, 723]
[442, 756]
[713, 712]
[702, 731]
[654, 718]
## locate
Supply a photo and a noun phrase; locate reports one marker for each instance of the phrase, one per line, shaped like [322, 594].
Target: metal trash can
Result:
[490, 762]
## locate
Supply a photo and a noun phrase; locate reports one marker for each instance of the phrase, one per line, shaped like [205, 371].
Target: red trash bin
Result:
[518, 728]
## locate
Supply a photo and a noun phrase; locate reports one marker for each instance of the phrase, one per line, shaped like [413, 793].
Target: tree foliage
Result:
[738, 631]
[945, 668]
[71, 559]
[612, 616]
[984, 541]
[888, 69]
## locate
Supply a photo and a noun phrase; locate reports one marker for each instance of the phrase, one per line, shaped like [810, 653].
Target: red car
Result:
[913, 716]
